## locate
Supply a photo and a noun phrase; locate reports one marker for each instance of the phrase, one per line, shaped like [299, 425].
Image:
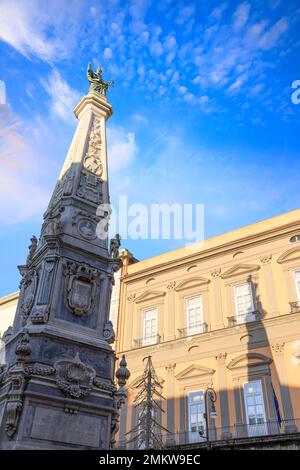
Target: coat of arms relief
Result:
[80, 287]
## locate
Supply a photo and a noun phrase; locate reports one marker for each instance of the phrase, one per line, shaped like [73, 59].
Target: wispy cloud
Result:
[188, 52]
[63, 97]
[23, 182]
[122, 147]
[39, 30]
[241, 16]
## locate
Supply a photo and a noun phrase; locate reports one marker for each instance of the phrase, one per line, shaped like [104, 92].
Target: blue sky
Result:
[202, 108]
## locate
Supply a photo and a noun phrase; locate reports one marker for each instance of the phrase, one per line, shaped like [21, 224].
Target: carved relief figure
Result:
[92, 160]
[32, 249]
[29, 285]
[115, 244]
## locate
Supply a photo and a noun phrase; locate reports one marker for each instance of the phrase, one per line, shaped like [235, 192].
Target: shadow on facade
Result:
[259, 410]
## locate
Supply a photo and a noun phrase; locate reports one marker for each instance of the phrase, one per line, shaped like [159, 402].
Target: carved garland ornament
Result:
[74, 378]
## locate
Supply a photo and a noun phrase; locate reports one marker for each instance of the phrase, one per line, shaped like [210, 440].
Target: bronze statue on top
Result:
[97, 84]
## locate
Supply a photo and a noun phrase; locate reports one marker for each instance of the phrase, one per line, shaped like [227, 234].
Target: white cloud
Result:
[107, 53]
[63, 97]
[122, 148]
[156, 48]
[23, 27]
[23, 178]
[34, 28]
[185, 13]
[139, 118]
[241, 16]
[270, 38]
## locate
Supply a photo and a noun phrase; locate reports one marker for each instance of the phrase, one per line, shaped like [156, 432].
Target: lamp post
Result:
[212, 396]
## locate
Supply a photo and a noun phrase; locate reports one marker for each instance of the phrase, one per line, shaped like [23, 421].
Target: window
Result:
[297, 282]
[196, 410]
[244, 302]
[194, 315]
[150, 326]
[255, 408]
[295, 238]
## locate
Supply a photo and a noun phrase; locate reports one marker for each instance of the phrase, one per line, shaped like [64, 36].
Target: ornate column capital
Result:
[170, 367]
[216, 273]
[171, 286]
[221, 358]
[131, 297]
[278, 348]
[266, 259]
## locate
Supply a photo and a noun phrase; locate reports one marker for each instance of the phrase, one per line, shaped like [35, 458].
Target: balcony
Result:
[267, 431]
[147, 341]
[295, 307]
[240, 319]
[192, 330]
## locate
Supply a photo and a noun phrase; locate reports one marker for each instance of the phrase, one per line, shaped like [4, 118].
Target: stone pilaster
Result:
[279, 361]
[170, 403]
[128, 339]
[170, 333]
[217, 295]
[223, 395]
[272, 308]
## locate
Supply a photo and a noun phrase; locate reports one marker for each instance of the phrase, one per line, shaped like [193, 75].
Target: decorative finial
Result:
[122, 373]
[97, 84]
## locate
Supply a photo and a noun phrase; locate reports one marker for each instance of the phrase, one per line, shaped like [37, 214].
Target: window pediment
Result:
[149, 295]
[290, 255]
[194, 371]
[194, 282]
[249, 360]
[240, 269]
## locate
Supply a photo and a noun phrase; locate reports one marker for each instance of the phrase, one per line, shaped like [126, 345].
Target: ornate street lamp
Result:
[210, 395]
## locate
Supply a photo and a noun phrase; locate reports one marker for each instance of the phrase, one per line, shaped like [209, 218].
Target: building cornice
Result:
[9, 298]
[220, 250]
[241, 329]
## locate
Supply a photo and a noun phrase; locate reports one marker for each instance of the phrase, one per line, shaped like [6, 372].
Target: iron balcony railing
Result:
[146, 341]
[266, 430]
[245, 318]
[238, 431]
[295, 307]
[192, 330]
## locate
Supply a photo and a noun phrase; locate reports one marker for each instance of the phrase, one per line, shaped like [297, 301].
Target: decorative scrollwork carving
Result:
[40, 314]
[74, 378]
[108, 332]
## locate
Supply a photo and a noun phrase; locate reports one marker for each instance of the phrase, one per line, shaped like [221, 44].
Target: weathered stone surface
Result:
[52, 425]
[58, 390]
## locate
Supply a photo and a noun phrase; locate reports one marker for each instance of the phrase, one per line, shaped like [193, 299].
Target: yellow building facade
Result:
[224, 314]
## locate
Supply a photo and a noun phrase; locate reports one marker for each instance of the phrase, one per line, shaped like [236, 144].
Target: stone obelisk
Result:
[57, 386]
